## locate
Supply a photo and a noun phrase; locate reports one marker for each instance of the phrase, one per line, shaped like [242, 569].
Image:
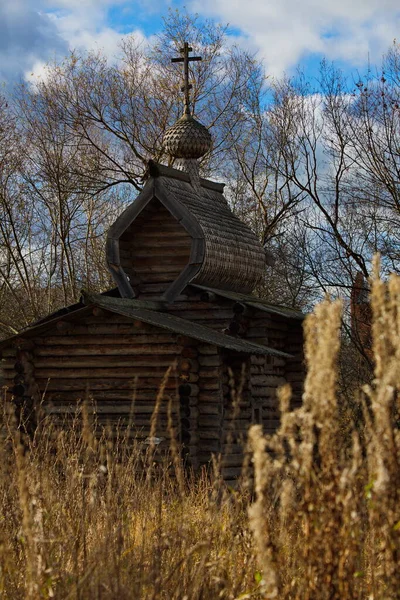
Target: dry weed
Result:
[81, 518]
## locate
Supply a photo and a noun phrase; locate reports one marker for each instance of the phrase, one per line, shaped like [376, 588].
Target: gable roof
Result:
[146, 311]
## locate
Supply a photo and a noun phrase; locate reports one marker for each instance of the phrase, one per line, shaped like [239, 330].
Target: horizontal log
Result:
[155, 230]
[102, 372]
[112, 395]
[159, 271]
[239, 413]
[9, 353]
[263, 392]
[137, 413]
[185, 341]
[208, 434]
[114, 330]
[211, 373]
[267, 380]
[158, 260]
[212, 421]
[209, 396]
[263, 370]
[189, 352]
[211, 384]
[158, 277]
[210, 361]
[61, 384]
[255, 359]
[208, 349]
[210, 409]
[232, 460]
[63, 326]
[138, 362]
[126, 406]
[158, 254]
[156, 242]
[97, 350]
[164, 341]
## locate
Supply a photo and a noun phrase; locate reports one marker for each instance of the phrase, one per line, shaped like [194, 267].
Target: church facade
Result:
[181, 319]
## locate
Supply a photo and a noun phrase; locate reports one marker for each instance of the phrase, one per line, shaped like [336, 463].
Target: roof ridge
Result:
[155, 169]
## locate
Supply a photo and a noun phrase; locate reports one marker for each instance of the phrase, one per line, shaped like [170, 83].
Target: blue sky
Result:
[286, 33]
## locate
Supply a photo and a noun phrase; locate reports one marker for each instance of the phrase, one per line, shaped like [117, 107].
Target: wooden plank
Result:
[155, 270]
[135, 362]
[209, 422]
[101, 372]
[209, 361]
[112, 395]
[95, 350]
[84, 386]
[210, 409]
[115, 330]
[157, 253]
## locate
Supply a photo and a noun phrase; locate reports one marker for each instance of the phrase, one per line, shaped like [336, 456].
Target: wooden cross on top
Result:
[186, 59]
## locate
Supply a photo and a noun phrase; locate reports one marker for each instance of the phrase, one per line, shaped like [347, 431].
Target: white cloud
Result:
[34, 32]
[83, 25]
[286, 31]
[27, 37]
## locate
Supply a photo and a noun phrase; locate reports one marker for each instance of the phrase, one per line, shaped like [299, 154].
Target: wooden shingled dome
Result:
[187, 138]
[172, 235]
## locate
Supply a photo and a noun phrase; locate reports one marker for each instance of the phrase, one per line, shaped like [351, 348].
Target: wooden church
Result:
[185, 268]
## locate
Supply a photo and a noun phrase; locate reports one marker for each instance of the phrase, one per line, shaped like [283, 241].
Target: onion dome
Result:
[187, 139]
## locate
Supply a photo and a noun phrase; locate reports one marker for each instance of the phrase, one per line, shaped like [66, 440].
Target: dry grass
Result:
[324, 520]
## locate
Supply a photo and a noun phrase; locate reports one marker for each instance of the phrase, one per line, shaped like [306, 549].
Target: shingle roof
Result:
[225, 253]
[234, 258]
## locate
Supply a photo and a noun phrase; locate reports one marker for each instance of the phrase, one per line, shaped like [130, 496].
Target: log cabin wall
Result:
[154, 250]
[270, 372]
[117, 363]
[210, 421]
[203, 308]
[295, 368]
[237, 413]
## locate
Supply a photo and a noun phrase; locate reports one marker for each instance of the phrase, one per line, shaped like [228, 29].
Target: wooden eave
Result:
[254, 302]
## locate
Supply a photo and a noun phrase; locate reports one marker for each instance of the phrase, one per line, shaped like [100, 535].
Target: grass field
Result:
[319, 520]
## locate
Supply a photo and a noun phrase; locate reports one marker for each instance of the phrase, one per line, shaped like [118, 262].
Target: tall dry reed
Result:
[326, 519]
[80, 517]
